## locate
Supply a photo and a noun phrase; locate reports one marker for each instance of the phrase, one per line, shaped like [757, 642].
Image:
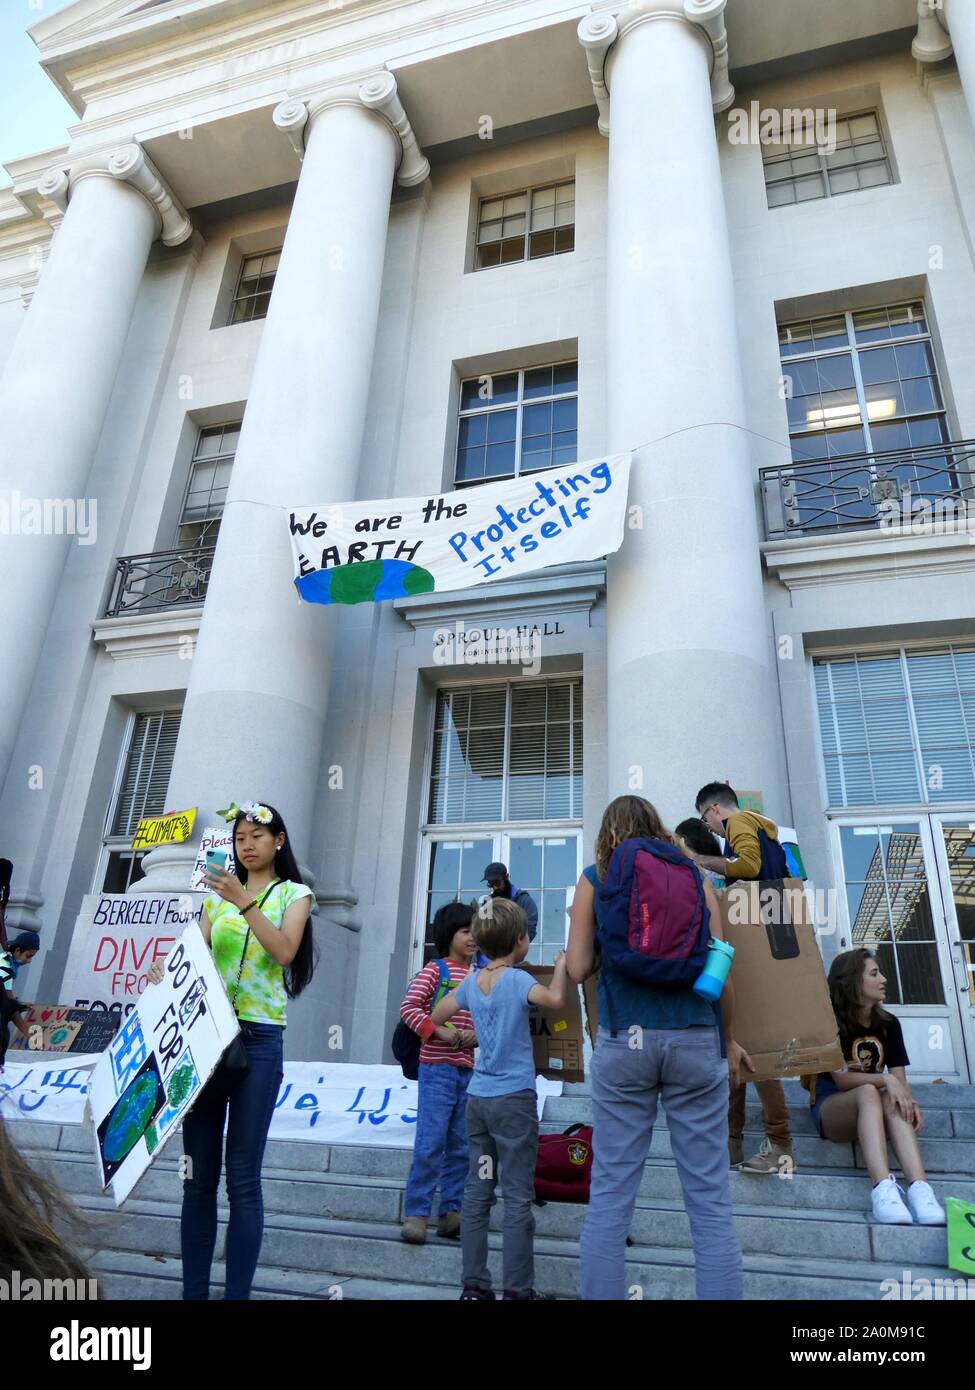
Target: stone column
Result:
[946, 28]
[255, 704]
[56, 389]
[691, 692]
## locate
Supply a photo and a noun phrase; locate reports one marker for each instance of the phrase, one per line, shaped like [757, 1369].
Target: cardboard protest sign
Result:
[158, 1062]
[556, 1034]
[171, 829]
[360, 552]
[116, 938]
[961, 1235]
[214, 837]
[783, 1016]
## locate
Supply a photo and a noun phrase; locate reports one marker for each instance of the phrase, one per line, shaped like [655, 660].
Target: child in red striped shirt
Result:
[446, 1066]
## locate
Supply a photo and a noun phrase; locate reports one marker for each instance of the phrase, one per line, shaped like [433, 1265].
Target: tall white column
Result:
[933, 43]
[689, 653]
[255, 705]
[56, 389]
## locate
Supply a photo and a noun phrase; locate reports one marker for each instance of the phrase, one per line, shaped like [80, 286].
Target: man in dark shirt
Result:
[496, 878]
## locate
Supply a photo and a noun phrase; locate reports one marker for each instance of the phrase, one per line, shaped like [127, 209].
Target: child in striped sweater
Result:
[446, 1065]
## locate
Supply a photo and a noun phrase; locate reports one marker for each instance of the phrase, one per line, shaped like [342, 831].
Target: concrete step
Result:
[373, 1251]
[763, 1226]
[124, 1275]
[562, 1111]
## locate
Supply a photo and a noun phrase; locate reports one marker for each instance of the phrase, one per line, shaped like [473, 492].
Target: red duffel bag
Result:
[564, 1165]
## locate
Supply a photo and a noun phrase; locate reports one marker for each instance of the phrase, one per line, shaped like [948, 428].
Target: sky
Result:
[34, 115]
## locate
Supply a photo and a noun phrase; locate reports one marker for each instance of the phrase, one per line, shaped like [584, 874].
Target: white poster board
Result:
[116, 938]
[155, 1067]
[214, 837]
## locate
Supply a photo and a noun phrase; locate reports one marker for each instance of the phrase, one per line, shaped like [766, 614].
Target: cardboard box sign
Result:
[783, 1016]
[556, 1034]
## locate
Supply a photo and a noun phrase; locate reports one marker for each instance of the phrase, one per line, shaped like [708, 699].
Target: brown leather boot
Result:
[449, 1225]
[414, 1230]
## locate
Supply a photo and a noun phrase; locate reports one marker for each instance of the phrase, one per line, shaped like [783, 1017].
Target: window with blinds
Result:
[145, 779]
[507, 752]
[898, 727]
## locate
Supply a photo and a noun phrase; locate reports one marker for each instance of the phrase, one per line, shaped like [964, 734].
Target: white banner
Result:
[319, 1102]
[359, 552]
[116, 938]
[159, 1061]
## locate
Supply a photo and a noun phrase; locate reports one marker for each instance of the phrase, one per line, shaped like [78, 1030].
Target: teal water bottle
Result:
[710, 982]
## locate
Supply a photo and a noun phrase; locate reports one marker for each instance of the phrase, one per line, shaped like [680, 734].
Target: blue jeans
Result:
[684, 1067]
[251, 1100]
[440, 1142]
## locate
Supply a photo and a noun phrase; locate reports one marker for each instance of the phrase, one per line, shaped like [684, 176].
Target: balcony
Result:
[912, 488]
[161, 580]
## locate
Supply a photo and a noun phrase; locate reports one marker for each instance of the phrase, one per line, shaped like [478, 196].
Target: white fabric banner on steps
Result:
[319, 1102]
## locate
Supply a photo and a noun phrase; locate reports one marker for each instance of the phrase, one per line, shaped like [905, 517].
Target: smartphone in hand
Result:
[216, 859]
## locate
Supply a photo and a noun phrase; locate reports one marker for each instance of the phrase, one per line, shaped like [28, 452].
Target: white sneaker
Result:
[888, 1204]
[924, 1205]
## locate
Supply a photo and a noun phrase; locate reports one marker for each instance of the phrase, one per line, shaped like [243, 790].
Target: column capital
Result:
[128, 164]
[598, 33]
[932, 43]
[377, 93]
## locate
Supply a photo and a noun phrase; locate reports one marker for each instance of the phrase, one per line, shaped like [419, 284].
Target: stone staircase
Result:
[332, 1216]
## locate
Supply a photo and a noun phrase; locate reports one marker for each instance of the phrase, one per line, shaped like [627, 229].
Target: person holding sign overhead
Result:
[256, 922]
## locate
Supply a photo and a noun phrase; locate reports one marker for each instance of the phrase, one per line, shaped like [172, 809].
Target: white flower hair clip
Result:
[250, 810]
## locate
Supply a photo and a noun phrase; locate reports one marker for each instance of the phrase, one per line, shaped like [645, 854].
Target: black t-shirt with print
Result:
[872, 1049]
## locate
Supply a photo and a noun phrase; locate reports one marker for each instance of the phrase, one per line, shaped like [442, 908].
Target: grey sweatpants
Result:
[683, 1066]
[502, 1139]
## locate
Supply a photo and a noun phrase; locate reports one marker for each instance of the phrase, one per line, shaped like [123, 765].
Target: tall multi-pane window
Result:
[803, 169]
[526, 225]
[861, 382]
[507, 752]
[506, 785]
[140, 791]
[206, 489]
[517, 422]
[254, 285]
[898, 728]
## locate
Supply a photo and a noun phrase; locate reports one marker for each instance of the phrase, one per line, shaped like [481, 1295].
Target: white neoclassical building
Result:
[285, 249]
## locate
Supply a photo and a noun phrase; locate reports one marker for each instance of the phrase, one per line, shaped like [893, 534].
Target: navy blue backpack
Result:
[654, 924]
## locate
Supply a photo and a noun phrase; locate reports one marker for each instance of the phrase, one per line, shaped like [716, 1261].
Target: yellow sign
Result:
[164, 830]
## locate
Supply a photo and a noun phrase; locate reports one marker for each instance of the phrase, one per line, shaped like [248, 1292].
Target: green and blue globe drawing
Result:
[365, 583]
[131, 1117]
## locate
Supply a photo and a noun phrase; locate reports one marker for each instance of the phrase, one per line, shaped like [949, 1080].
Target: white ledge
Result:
[156, 633]
[558, 589]
[865, 556]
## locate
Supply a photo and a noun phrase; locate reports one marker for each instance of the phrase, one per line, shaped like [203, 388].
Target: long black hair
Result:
[298, 974]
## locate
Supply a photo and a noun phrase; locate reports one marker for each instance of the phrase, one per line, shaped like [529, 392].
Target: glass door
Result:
[546, 865]
[895, 907]
[954, 841]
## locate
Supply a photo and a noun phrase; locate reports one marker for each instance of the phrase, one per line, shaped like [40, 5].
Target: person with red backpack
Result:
[644, 917]
[446, 1064]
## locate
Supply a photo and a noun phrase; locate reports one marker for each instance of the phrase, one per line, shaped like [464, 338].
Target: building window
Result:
[861, 382]
[506, 784]
[526, 225]
[507, 752]
[799, 171]
[206, 489]
[141, 790]
[898, 728]
[517, 422]
[254, 286]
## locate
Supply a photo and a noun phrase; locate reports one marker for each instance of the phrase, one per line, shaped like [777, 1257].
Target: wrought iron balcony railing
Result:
[934, 483]
[162, 579]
